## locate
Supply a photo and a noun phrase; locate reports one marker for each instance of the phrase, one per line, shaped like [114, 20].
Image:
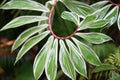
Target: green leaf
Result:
[112, 15]
[89, 55]
[77, 59]
[98, 24]
[118, 22]
[85, 23]
[99, 4]
[51, 65]
[65, 62]
[30, 43]
[22, 20]
[91, 22]
[94, 24]
[93, 37]
[102, 11]
[104, 67]
[78, 7]
[25, 5]
[71, 17]
[41, 58]
[114, 75]
[26, 34]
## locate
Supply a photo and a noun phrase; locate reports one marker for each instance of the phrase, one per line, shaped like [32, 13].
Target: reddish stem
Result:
[114, 3]
[50, 25]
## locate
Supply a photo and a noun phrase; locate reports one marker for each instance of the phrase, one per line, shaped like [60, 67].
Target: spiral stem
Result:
[50, 25]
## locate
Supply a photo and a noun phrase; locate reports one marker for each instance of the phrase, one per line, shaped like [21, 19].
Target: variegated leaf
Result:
[71, 17]
[30, 43]
[65, 62]
[78, 7]
[41, 58]
[77, 59]
[22, 20]
[51, 64]
[88, 54]
[96, 38]
[112, 15]
[102, 11]
[26, 34]
[25, 5]
[85, 23]
[98, 24]
[99, 4]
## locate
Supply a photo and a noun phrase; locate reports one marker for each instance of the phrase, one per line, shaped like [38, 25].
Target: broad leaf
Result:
[65, 62]
[26, 34]
[77, 59]
[71, 17]
[112, 15]
[22, 20]
[93, 37]
[79, 8]
[51, 65]
[99, 4]
[88, 20]
[118, 22]
[104, 67]
[30, 43]
[89, 55]
[25, 5]
[41, 58]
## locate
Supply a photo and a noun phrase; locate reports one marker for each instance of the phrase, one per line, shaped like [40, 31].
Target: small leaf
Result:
[30, 43]
[65, 62]
[71, 17]
[104, 67]
[78, 7]
[26, 34]
[99, 4]
[118, 22]
[89, 55]
[51, 65]
[85, 23]
[22, 20]
[25, 5]
[41, 58]
[96, 38]
[77, 59]
[112, 15]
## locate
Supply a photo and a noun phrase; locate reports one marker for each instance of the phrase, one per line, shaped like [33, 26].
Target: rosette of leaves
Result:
[72, 52]
[108, 9]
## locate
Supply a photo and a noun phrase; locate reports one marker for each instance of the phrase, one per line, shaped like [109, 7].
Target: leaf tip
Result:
[15, 62]
[1, 29]
[12, 49]
[36, 78]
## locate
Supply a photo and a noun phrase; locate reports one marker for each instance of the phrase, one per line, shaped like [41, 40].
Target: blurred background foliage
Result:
[23, 69]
